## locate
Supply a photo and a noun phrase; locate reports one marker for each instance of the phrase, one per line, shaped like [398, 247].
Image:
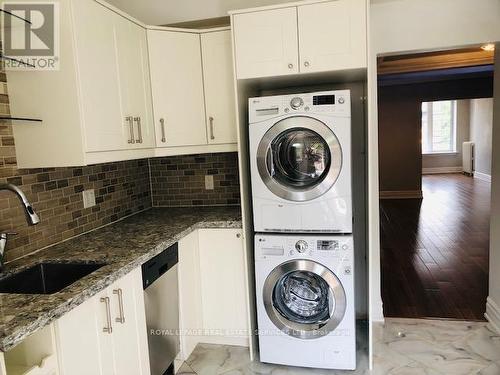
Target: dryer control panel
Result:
[334, 103]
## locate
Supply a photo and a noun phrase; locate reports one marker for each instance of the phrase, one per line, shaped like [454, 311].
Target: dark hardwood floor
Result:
[435, 251]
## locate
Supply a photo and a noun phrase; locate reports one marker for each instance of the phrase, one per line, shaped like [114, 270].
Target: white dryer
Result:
[300, 160]
[305, 300]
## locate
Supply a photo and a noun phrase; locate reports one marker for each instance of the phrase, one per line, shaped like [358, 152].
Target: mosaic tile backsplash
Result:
[121, 189]
[179, 181]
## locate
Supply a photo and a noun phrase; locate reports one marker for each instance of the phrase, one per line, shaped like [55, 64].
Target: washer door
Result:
[304, 299]
[299, 158]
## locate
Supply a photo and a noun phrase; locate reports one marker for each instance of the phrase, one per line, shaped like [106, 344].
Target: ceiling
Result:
[418, 62]
[162, 12]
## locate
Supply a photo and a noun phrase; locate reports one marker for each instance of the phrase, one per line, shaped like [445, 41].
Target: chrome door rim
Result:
[290, 193]
[301, 330]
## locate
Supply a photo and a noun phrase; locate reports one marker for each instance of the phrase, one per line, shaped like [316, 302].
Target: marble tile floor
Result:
[402, 347]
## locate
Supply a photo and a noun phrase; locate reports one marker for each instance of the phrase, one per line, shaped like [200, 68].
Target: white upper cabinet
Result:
[332, 35]
[123, 92]
[99, 78]
[103, 80]
[219, 87]
[316, 37]
[266, 43]
[177, 86]
[132, 49]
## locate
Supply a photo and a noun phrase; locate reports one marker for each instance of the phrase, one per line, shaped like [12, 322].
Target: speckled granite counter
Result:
[123, 246]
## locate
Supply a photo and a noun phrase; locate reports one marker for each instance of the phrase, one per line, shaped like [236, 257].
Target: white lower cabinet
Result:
[212, 288]
[106, 334]
[36, 355]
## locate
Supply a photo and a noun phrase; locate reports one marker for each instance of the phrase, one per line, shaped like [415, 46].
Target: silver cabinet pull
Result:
[109, 327]
[212, 135]
[130, 121]
[162, 125]
[290, 66]
[139, 129]
[119, 293]
[306, 64]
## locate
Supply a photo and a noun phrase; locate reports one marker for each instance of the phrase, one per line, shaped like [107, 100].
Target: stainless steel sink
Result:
[46, 278]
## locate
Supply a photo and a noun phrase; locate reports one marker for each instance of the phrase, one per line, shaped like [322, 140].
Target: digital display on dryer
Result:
[328, 245]
[324, 100]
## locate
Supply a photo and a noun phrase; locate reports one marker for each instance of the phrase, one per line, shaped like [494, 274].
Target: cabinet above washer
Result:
[297, 38]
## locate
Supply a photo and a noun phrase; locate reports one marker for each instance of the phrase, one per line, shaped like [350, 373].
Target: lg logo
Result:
[31, 35]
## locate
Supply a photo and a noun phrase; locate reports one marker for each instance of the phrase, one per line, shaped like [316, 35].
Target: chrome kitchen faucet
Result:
[31, 216]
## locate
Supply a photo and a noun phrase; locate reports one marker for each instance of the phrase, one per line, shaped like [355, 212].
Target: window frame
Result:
[454, 139]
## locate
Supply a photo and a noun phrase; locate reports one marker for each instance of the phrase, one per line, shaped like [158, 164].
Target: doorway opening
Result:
[435, 124]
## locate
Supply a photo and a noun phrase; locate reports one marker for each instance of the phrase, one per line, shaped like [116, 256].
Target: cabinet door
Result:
[332, 35]
[190, 311]
[130, 347]
[219, 87]
[134, 82]
[98, 76]
[223, 287]
[266, 43]
[83, 347]
[177, 86]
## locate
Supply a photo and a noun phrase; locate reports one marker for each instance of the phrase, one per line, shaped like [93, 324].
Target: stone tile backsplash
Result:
[178, 181]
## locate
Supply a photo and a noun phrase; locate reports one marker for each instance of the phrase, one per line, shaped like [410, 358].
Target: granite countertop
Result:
[123, 246]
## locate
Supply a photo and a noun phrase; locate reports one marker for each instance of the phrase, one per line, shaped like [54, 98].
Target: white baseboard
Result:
[493, 314]
[404, 194]
[442, 170]
[482, 176]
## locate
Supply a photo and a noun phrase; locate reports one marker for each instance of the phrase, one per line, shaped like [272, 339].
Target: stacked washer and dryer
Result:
[300, 150]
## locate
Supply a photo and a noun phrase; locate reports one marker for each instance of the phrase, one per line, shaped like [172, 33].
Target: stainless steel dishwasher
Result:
[161, 297]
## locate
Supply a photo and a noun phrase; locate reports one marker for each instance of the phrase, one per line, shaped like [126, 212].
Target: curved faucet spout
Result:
[31, 216]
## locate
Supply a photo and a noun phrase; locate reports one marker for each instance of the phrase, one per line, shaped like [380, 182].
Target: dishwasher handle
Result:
[159, 265]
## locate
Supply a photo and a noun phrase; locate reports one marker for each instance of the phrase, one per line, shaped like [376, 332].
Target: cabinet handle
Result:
[290, 66]
[130, 121]
[211, 120]
[162, 125]
[119, 293]
[109, 327]
[306, 64]
[139, 129]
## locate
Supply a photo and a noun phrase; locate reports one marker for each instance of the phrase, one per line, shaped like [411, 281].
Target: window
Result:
[439, 127]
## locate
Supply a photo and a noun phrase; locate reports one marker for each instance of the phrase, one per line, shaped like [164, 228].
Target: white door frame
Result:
[404, 26]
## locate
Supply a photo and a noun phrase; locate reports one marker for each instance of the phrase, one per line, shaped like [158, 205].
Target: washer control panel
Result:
[295, 246]
[296, 102]
[336, 102]
[301, 246]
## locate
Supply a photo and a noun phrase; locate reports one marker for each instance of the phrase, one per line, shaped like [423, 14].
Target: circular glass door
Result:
[299, 158]
[304, 299]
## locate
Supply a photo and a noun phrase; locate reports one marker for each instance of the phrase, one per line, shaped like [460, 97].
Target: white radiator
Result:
[468, 157]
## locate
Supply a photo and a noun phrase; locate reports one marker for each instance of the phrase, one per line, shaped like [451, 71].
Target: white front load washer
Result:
[300, 162]
[305, 300]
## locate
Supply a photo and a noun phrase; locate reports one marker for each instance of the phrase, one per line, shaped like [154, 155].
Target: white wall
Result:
[162, 12]
[415, 25]
[493, 307]
[481, 127]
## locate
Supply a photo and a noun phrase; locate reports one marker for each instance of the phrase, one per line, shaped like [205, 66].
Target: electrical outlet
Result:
[88, 198]
[209, 182]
